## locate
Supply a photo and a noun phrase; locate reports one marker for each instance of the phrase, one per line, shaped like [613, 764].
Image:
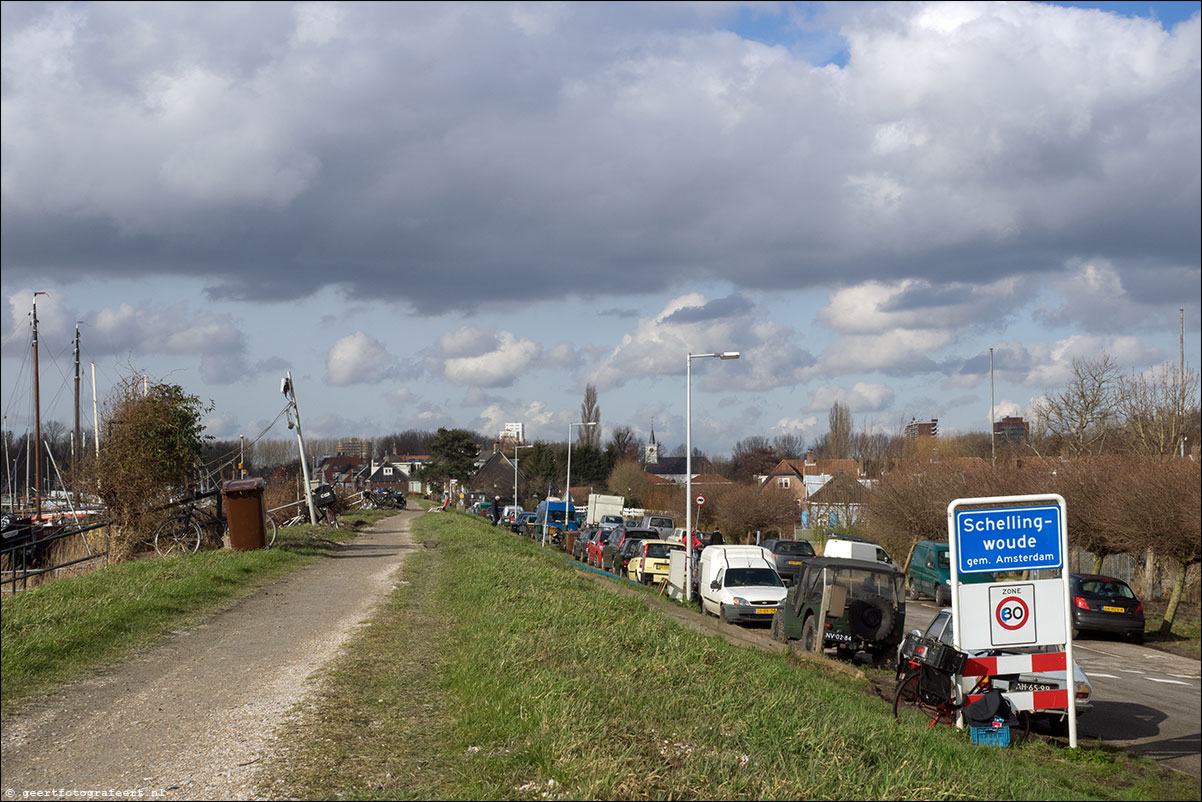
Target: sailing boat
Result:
[26, 525]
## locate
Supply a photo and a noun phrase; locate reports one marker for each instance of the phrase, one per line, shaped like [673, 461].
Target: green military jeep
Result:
[851, 605]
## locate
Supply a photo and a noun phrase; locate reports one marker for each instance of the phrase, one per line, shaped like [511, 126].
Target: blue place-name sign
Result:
[1008, 539]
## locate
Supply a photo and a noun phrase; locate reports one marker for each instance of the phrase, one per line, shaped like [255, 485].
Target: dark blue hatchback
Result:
[1106, 604]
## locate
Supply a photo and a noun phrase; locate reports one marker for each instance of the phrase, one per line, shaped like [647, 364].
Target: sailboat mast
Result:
[37, 420]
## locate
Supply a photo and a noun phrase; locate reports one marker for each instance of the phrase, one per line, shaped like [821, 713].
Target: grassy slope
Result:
[63, 630]
[495, 671]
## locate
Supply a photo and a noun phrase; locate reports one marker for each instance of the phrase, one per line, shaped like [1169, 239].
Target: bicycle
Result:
[928, 686]
[183, 532]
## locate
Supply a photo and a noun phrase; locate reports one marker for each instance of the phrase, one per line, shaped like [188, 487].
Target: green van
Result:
[930, 573]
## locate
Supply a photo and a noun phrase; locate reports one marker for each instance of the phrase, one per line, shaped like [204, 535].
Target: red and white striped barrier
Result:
[1023, 664]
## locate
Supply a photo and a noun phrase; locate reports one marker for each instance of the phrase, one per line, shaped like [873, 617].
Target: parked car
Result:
[790, 556]
[623, 547]
[580, 546]
[619, 537]
[852, 605]
[930, 573]
[1106, 604]
[941, 629]
[738, 583]
[595, 548]
[522, 523]
[857, 548]
[611, 521]
[649, 565]
[662, 524]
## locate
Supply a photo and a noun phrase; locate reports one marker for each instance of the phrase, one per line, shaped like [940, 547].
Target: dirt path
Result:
[193, 718]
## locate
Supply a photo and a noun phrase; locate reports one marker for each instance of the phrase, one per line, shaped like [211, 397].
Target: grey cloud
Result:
[390, 156]
[730, 306]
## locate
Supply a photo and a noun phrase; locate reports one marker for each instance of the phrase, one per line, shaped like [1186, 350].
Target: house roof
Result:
[711, 479]
[841, 489]
[819, 467]
[675, 466]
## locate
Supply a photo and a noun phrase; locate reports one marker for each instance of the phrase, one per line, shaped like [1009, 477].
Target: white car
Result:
[739, 583]
[941, 630]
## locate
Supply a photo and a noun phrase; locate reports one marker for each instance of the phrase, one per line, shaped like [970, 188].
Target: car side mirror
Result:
[715, 585]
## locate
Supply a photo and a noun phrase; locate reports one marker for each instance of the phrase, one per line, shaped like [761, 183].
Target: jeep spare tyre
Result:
[871, 618]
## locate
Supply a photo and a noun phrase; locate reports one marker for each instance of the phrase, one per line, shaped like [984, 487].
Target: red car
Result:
[597, 545]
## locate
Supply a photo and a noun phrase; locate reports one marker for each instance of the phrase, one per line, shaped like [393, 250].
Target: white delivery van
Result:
[739, 583]
[857, 550]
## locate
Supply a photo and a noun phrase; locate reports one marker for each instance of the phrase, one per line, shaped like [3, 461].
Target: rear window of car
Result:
[801, 548]
[1110, 588]
[611, 519]
[660, 522]
[659, 551]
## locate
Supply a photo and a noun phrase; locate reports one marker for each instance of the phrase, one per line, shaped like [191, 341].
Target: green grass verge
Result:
[66, 629]
[497, 671]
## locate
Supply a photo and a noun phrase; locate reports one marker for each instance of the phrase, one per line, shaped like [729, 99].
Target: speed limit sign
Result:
[700, 500]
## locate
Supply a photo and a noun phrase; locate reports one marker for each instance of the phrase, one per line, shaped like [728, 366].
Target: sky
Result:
[458, 214]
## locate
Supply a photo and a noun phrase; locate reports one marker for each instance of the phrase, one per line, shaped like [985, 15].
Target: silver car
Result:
[941, 630]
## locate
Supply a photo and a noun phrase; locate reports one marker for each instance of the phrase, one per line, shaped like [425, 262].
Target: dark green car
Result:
[850, 605]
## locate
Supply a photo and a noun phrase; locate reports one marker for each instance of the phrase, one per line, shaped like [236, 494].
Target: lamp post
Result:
[688, 480]
[567, 490]
[515, 472]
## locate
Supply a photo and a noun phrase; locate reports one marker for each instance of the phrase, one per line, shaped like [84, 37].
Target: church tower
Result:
[651, 450]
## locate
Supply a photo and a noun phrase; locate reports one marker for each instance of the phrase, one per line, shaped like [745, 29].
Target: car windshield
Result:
[747, 577]
[1110, 588]
[801, 548]
[661, 550]
[861, 583]
[611, 519]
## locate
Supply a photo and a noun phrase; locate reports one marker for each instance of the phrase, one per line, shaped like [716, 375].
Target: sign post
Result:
[1012, 538]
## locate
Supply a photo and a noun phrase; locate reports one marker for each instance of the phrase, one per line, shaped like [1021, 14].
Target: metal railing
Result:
[21, 561]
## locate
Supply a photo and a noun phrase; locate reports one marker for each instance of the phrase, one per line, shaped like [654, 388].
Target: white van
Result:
[739, 583]
[857, 550]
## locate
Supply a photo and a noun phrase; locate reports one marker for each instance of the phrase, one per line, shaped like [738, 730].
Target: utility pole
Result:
[290, 393]
[992, 414]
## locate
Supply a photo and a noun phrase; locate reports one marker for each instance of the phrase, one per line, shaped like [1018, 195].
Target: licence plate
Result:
[1109, 609]
[765, 610]
[1032, 686]
[794, 562]
[661, 566]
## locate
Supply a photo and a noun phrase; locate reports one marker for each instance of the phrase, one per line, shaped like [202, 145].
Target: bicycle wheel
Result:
[907, 698]
[269, 530]
[177, 536]
[1020, 730]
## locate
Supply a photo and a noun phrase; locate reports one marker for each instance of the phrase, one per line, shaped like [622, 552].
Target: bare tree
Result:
[837, 442]
[1079, 419]
[789, 446]
[1158, 408]
[628, 479]
[590, 413]
[624, 444]
[1161, 509]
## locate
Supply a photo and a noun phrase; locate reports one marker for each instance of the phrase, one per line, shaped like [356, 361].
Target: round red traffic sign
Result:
[1012, 613]
[700, 500]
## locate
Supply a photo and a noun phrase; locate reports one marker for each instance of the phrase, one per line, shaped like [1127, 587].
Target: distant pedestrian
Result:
[496, 510]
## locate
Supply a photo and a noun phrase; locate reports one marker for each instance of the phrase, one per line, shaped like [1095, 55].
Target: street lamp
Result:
[515, 471]
[688, 471]
[567, 492]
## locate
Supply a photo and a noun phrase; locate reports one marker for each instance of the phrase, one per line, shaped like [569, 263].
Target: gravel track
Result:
[193, 717]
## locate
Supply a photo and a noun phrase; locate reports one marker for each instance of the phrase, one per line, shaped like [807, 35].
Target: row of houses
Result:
[396, 473]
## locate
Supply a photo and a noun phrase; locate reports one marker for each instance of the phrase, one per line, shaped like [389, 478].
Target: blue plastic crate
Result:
[990, 736]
